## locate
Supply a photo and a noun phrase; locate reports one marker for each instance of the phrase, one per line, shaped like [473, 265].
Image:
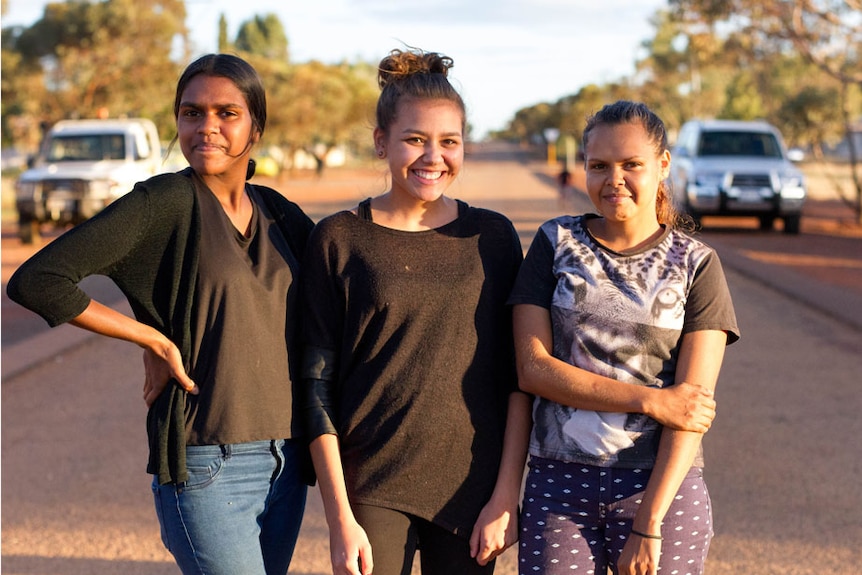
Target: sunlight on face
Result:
[424, 147]
[624, 173]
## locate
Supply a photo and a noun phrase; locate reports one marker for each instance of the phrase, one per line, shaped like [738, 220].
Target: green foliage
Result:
[743, 101]
[780, 60]
[263, 36]
[84, 59]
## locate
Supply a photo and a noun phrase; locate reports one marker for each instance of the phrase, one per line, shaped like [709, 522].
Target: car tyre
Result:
[766, 223]
[792, 224]
[28, 231]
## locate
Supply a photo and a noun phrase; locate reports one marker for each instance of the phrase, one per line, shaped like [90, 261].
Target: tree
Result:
[827, 33]
[264, 36]
[113, 55]
[224, 44]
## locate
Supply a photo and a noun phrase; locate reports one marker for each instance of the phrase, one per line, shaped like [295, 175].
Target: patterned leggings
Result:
[576, 519]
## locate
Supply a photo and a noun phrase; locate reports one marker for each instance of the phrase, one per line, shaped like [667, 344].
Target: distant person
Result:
[621, 320]
[564, 184]
[419, 432]
[208, 263]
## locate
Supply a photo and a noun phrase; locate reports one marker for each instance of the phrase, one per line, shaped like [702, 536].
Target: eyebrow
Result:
[409, 131]
[221, 106]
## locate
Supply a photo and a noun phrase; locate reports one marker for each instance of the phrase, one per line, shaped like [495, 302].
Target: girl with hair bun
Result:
[418, 428]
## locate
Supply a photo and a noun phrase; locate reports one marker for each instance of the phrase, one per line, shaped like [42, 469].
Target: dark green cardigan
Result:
[147, 242]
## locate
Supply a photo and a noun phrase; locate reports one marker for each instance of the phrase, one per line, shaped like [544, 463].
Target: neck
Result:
[234, 201]
[412, 216]
[624, 236]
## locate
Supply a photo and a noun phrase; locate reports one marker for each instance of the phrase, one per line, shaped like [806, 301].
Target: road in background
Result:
[783, 460]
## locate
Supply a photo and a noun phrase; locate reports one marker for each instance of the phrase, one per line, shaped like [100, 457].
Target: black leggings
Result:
[395, 537]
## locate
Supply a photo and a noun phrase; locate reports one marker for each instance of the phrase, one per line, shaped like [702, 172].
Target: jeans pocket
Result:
[203, 470]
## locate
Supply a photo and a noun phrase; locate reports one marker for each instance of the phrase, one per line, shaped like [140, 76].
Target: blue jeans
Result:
[240, 511]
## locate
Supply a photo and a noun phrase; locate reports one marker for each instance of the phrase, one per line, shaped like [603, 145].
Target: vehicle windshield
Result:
[728, 143]
[86, 148]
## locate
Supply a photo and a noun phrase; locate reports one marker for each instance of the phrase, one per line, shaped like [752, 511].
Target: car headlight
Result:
[792, 186]
[791, 181]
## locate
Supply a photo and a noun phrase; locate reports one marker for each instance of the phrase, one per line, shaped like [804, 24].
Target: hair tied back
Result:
[399, 65]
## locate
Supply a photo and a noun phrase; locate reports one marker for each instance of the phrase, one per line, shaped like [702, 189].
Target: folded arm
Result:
[688, 405]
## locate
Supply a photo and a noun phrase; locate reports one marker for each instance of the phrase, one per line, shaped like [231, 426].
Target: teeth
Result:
[429, 175]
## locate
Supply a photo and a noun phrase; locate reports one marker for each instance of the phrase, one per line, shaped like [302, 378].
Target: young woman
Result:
[208, 263]
[621, 320]
[409, 363]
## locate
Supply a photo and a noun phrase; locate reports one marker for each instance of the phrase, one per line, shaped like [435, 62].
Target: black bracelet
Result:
[647, 536]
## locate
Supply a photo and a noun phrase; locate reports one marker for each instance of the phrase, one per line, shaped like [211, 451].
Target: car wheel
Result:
[766, 223]
[28, 231]
[792, 224]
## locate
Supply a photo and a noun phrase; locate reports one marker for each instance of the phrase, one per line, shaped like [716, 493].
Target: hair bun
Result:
[400, 64]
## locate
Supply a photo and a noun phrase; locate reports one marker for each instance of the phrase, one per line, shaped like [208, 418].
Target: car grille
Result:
[64, 185]
[752, 181]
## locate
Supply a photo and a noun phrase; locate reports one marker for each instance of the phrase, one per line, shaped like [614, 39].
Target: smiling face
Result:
[214, 127]
[424, 147]
[624, 171]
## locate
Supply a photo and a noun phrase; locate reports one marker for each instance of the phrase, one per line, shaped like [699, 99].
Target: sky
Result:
[508, 54]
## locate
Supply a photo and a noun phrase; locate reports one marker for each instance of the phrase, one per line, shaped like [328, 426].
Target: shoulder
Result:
[694, 248]
[179, 183]
[171, 193]
[488, 220]
[338, 225]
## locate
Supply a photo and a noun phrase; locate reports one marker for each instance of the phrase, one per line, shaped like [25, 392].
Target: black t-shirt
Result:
[419, 325]
[244, 310]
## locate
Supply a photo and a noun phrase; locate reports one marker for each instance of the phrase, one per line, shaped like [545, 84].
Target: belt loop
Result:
[225, 451]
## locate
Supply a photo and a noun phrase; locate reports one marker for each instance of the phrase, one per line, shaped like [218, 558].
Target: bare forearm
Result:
[106, 321]
[677, 451]
[566, 384]
[701, 354]
[325, 454]
[516, 439]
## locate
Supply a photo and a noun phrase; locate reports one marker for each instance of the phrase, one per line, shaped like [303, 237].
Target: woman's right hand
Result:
[685, 407]
[161, 364]
[350, 551]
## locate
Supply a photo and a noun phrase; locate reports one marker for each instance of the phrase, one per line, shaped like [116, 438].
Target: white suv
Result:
[735, 168]
[82, 167]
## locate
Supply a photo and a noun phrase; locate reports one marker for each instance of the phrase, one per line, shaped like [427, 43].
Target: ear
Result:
[664, 164]
[379, 142]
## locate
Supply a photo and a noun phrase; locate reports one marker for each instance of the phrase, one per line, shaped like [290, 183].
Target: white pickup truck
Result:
[83, 166]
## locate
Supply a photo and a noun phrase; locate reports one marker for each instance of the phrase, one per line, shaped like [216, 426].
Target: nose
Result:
[617, 177]
[209, 124]
[433, 152]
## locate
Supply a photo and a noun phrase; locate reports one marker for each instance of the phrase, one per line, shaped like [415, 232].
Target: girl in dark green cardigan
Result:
[208, 263]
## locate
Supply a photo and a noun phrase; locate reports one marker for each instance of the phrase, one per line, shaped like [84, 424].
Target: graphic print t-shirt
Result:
[620, 316]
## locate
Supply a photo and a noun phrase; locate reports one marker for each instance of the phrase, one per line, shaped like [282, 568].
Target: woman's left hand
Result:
[495, 530]
[640, 556]
[160, 369]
